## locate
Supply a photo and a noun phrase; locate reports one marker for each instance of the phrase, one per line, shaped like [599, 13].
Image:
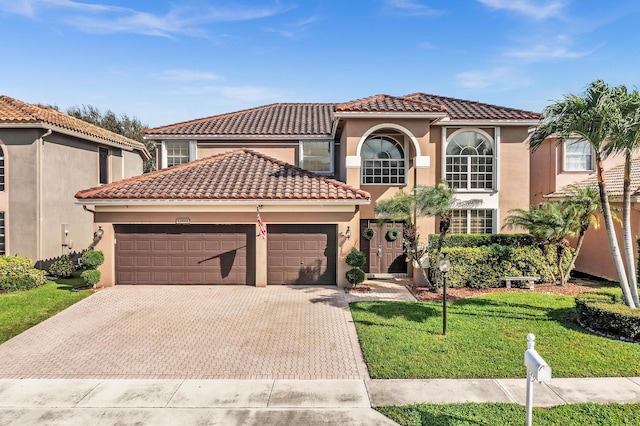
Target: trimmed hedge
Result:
[482, 267]
[91, 276]
[62, 268]
[17, 273]
[479, 240]
[356, 258]
[604, 311]
[355, 276]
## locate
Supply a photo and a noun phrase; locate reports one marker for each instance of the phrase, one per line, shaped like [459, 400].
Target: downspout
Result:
[40, 142]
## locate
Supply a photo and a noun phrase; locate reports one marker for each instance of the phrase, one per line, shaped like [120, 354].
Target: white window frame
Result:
[3, 233]
[493, 140]
[403, 144]
[331, 157]
[564, 157]
[494, 215]
[193, 151]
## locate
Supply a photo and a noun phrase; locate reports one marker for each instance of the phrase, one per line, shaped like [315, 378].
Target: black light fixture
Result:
[348, 233]
[97, 236]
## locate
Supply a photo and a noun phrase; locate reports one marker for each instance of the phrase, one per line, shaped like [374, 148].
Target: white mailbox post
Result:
[537, 370]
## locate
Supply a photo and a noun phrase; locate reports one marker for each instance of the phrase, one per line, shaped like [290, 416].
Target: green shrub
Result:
[478, 240]
[18, 273]
[356, 258]
[604, 311]
[355, 276]
[483, 266]
[91, 276]
[91, 259]
[62, 267]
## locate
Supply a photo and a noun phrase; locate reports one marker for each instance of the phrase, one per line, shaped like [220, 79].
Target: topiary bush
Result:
[91, 276]
[355, 276]
[62, 267]
[356, 258]
[18, 273]
[91, 259]
[604, 311]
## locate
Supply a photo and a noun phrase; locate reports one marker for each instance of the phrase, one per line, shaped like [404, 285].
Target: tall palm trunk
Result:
[626, 231]
[561, 247]
[611, 234]
[567, 274]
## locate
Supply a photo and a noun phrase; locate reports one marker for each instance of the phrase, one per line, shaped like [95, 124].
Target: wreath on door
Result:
[368, 233]
[393, 234]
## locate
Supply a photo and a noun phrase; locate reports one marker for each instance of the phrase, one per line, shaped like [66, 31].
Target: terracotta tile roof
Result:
[614, 180]
[460, 109]
[268, 120]
[386, 103]
[238, 175]
[13, 111]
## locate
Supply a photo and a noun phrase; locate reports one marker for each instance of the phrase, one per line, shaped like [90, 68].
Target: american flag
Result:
[263, 229]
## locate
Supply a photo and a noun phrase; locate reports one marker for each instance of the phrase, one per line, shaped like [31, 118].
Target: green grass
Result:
[486, 338]
[513, 414]
[24, 309]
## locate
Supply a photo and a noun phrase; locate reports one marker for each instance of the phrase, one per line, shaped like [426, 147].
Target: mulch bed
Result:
[570, 289]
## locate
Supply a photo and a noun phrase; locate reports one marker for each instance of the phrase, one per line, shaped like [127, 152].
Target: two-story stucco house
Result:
[45, 158]
[314, 173]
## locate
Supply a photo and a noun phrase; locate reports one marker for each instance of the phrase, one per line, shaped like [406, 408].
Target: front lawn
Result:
[23, 309]
[512, 414]
[486, 338]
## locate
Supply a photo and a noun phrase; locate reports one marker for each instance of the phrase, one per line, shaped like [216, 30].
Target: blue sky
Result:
[167, 62]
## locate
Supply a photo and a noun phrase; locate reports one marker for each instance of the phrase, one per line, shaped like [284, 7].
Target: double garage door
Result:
[223, 254]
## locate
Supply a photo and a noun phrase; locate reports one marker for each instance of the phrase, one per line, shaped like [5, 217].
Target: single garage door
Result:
[301, 254]
[185, 254]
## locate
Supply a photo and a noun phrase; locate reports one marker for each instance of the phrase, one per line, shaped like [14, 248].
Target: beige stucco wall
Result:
[514, 190]
[595, 255]
[342, 219]
[132, 164]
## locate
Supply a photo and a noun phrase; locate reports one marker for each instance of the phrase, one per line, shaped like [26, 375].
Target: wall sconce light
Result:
[97, 236]
[348, 233]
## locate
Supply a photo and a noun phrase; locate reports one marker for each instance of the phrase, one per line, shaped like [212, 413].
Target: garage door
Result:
[185, 254]
[301, 254]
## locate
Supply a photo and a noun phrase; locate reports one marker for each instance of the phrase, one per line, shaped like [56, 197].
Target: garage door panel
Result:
[301, 254]
[211, 256]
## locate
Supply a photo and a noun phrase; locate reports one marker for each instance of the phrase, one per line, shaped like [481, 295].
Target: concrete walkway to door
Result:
[197, 332]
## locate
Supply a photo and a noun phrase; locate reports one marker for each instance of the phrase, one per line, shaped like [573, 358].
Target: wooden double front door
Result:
[384, 254]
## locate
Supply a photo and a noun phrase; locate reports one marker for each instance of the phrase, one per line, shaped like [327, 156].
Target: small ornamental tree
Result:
[91, 259]
[356, 259]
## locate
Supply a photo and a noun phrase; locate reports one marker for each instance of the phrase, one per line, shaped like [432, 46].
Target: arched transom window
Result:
[470, 161]
[383, 161]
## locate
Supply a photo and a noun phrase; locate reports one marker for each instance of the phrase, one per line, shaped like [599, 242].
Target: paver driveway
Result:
[232, 332]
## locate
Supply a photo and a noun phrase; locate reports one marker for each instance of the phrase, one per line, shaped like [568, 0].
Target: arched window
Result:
[383, 161]
[469, 161]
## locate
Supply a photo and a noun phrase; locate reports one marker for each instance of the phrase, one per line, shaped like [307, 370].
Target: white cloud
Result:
[533, 9]
[410, 8]
[559, 48]
[186, 75]
[502, 77]
[106, 19]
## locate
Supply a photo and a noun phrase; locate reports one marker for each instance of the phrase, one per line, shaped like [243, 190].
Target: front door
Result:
[385, 251]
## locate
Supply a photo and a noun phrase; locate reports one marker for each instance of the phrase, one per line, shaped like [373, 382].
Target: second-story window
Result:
[469, 161]
[578, 156]
[316, 156]
[383, 161]
[177, 152]
[1, 169]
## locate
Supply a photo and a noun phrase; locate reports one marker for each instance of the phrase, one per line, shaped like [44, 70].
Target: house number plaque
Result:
[183, 221]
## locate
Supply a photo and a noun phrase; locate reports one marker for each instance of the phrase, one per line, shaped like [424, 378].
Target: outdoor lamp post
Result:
[444, 265]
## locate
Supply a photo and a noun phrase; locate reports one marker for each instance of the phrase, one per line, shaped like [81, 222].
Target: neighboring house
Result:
[595, 256]
[196, 221]
[45, 157]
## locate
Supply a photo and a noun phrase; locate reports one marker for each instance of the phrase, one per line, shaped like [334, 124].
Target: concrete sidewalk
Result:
[268, 402]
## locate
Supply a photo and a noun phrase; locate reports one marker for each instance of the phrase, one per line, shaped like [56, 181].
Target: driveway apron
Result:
[194, 332]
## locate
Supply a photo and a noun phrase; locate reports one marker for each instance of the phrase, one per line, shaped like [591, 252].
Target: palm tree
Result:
[425, 201]
[589, 117]
[585, 202]
[625, 138]
[550, 224]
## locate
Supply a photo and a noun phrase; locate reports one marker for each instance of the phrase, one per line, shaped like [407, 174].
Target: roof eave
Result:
[395, 114]
[202, 137]
[143, 150]
[488, 122]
